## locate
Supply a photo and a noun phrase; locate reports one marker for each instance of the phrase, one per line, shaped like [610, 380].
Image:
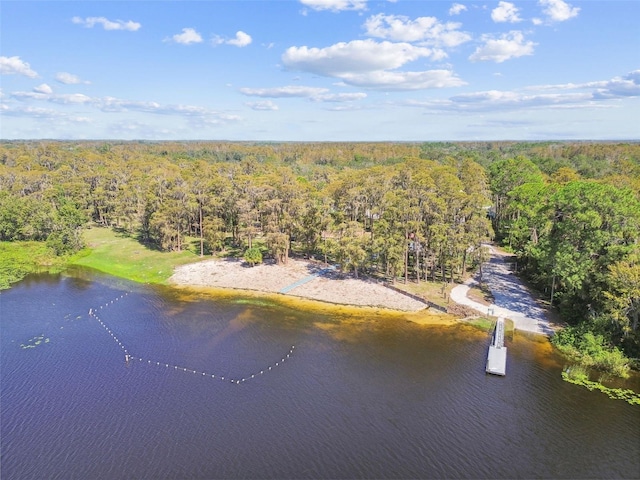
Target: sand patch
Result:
[268, 277]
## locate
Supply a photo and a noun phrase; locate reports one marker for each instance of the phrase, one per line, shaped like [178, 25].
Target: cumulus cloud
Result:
[457, 9]
[509, 45]
[187, 37]
[241, 39]
[505, 12]
[368, 63]
[358, 56]
[264, 105]
[558, 10]
[14, 65]
[396, 81]
[107, 24]
[69, 78]
[44, 89]
[423, 29]
[335, 5]
[626, 86]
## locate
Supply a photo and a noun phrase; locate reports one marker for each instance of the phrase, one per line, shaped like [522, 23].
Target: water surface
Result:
[360, 397]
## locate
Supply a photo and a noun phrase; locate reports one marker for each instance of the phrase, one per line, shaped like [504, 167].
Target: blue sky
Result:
[320, 70]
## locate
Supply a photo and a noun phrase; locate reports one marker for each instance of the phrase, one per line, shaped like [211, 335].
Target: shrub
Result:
[591, 350]
[252, 256]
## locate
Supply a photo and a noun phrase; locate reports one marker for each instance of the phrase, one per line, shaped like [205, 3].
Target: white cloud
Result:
[265, 105]
[241, 40]
[396, 81]
[289, 91]
[107, 24]
[564, 96]
[505, 12]
[367, 63]
[187, 37]
[33, 112]
[618, 87]
[71, 98]
[69, 78]
[509, 45]
[296, 91]
[422, 29]
[496, 100]
[339, 97]
[558, 10]
[201, 115]
[13, 65]
[358, 56]
[44, 88]
[335, 5]
[457, 9]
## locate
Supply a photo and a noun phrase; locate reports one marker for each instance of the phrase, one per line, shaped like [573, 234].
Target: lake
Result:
[356, 396]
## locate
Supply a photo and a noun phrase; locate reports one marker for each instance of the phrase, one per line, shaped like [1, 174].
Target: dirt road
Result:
[511, 298]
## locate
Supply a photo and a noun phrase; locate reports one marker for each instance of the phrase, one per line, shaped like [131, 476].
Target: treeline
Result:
[407, 211]
[403, 217]
[578, 241]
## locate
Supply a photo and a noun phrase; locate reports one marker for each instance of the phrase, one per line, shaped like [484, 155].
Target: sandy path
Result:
[511, 298]
[269, 277]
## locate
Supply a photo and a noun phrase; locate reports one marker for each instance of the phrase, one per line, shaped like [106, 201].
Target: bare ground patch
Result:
[328, 287]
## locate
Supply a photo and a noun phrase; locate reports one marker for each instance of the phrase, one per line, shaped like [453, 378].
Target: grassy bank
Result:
[19, 259]
[107, 251]
[123, 256]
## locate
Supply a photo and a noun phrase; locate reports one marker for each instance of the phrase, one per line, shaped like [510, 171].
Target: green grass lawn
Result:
[125, 257]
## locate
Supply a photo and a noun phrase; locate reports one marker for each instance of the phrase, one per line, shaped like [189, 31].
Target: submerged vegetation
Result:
[579, 375]
[409, 212]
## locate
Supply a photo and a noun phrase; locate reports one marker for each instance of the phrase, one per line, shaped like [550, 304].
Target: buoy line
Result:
[128, 357]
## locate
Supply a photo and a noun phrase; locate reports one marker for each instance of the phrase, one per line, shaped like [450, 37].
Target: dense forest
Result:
[570, 212]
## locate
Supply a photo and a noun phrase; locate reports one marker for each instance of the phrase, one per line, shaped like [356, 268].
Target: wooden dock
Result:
[497, 357]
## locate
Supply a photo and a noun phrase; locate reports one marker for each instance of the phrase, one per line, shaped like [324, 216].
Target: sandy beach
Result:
[299, 278]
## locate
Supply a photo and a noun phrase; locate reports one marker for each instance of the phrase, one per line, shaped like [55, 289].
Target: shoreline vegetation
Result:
[120, 255]
[412, 215]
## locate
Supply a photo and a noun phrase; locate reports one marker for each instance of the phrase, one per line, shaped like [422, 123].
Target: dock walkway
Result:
[306, 279]
[497, 357]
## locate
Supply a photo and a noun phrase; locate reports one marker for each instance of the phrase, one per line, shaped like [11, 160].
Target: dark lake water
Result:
[358, 397]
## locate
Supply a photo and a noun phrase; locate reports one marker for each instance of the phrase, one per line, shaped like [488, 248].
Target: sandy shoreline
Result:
[305, 279]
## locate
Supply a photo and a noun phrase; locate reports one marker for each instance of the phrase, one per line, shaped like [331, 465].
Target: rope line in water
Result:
[128, 356]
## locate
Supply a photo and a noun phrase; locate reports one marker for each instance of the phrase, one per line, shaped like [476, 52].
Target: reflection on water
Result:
[367, 396]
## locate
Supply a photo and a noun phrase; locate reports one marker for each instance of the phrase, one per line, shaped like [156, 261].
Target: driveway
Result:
[511, 298]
